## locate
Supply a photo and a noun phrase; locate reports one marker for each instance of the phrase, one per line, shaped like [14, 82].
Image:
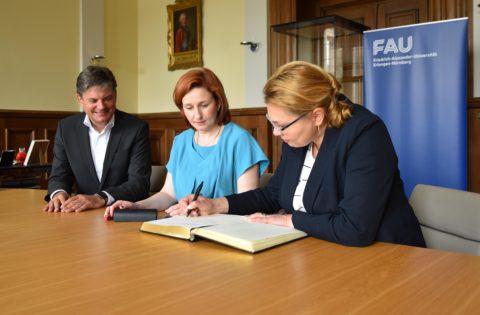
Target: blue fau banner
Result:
[416, 81]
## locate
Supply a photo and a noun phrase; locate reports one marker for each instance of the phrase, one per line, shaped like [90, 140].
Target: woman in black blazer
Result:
[338, 177]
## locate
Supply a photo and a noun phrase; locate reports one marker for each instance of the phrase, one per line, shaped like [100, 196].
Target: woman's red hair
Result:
[203, 78]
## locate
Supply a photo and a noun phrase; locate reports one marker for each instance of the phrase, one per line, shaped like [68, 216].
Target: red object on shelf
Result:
[21, 155]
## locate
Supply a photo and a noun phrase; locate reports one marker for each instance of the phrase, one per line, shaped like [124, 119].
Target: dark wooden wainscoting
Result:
[474, 146]
[18, 128]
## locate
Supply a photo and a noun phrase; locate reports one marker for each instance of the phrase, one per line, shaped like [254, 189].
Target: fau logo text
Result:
[392, 46]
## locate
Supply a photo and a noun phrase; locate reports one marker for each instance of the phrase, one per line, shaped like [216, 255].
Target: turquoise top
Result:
[218, 166]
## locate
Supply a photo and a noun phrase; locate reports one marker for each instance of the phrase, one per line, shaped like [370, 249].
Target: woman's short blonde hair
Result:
[301, 87]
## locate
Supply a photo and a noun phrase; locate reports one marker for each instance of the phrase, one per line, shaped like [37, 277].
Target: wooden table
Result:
[55, 263]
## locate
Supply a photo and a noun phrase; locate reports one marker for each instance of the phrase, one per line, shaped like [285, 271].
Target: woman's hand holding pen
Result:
[182, 206]
[179, 208]
[201, 206]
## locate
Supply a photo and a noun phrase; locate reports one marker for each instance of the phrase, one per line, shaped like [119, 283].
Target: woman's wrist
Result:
[289, 219]
[221, 205]
[136, 205]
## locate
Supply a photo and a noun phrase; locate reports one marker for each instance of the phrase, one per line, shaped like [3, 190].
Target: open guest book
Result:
[228, 229]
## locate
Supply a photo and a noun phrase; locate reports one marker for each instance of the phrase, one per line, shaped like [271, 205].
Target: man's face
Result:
[99, 103]
[182, 20]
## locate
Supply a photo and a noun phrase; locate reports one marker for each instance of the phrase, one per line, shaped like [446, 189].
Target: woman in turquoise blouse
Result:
[215, 151]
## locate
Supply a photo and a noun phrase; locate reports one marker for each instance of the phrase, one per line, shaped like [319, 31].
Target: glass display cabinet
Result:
[335, 44]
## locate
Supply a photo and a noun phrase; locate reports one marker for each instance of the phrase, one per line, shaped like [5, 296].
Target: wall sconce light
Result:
[96, 59]
[253, 46]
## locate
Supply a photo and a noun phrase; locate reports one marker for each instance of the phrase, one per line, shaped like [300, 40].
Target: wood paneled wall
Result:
[18, 128]
[474, 148]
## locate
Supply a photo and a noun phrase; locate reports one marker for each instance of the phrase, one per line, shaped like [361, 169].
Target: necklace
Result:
[211, 141]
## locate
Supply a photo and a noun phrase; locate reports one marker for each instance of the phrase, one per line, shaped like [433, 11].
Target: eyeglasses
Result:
[281, 129]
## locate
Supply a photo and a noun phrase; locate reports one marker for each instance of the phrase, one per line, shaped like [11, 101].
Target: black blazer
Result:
[354, 195]
[127, 165]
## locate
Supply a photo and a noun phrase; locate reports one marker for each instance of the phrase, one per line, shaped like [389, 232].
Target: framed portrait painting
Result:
[185, 34]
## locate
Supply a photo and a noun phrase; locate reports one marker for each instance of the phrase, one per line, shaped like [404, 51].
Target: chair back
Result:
[264, 179]
[449, 218]
[157, 178]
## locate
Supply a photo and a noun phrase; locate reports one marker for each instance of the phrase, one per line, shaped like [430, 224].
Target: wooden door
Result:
[402, 12]
[364, 14]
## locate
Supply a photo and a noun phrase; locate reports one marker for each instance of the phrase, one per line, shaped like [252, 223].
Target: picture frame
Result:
[185, 34]
[37, 152]
[7, 157]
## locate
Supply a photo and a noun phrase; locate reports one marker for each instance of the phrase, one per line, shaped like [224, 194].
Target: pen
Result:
[197, 192]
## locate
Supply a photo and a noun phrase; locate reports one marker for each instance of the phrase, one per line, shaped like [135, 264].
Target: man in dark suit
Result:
[103, 152]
